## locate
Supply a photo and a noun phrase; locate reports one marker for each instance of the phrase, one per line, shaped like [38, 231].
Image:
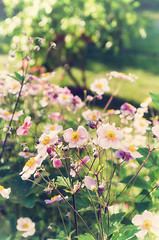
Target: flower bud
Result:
[9, 133]
[36, 175]
[96, 154]
[26, 149]
[53, 45]
[57, 163]
[101, 188]
[37, 48]
[65, 149]
[48, 191]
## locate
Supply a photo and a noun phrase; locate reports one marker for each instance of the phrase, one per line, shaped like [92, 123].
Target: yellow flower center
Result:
[110, 110]
[52, 127]
[26, 225]
[46, 74]
[132, 148]
[27, 153]
[7, 114]
[147, 224]
[99, 85]
[142, 124]
[1, 187]
[15, 85]
[53, 198]
[75, 136]
[94, 117]
[30, 162]
[64, 97]
[110, 134]
[46, 140]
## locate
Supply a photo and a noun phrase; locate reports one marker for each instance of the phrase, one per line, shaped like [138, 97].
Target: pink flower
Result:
[57, 163]
[130, 77]
[46, 140]
[7, 115]
[90, 183]
[23, 130]
[26, 154]
[76, 139]
[56, 116]
[109, 136]
[54, 199]
[91, 115]
[52, 127]
[27, 226]
[146, 222]
[100, 86]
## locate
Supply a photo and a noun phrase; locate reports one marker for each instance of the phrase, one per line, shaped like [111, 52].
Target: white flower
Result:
[27, 226]
[31, 165]
[5, 191]
[155, 131]
[146, 222]
[100, 86]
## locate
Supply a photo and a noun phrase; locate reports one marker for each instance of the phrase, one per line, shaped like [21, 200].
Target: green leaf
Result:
[18, 76]
[155, 99]
[138, 182]
[86, 236]
[20, 192]
[117, 217]
[152, 161]
[127, 232]
[141, 204]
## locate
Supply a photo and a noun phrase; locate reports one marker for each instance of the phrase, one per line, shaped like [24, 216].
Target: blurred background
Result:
[92, 38]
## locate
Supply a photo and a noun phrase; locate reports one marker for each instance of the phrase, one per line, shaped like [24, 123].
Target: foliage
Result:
[73, 26]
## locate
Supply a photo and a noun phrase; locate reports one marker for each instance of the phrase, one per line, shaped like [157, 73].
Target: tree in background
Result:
[73, 26]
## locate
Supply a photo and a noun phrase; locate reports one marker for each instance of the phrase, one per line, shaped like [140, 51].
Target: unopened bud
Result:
[95, 155]
[47, 190]
[36, 175]
[26, 149]
[101, 188]
[53, 45]
[9, 133]
[65, 149]
[37, 48]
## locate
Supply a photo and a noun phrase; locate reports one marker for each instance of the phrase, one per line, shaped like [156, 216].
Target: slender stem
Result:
[75, 211]
[141, 201]
[108, 103]
[62, 220]
[134, 175]
[33, 134]
[10, 123]
[75, 215]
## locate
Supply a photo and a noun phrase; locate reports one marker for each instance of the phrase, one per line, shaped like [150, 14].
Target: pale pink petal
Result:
[141, 233]
[67, 134]
[138, 220]
[90, 183]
